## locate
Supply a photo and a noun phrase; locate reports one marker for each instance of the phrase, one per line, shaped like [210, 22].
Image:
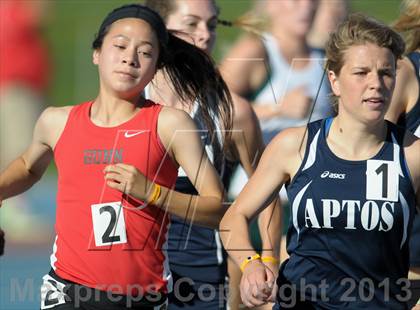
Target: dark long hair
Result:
[205, 85]
[208, 89]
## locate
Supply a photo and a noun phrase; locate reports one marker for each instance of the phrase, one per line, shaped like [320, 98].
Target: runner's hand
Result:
[129, 180]
[257, 284]
[274, 268]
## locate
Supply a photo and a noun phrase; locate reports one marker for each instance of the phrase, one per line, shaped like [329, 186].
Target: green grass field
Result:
[72, 24]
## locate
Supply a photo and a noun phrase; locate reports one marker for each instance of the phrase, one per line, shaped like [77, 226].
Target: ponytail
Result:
[195, 77]
[248, 22]
[408, 23]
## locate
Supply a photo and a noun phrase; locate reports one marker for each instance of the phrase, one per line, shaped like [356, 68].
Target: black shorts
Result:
[189, 294]
[60, 294]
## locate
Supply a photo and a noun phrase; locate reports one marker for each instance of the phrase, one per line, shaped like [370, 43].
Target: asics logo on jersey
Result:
[325, 174]
[97, 156]
[332, 175]
[129, 134]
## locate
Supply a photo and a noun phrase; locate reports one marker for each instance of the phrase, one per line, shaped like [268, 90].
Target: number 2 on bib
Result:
[108, 223]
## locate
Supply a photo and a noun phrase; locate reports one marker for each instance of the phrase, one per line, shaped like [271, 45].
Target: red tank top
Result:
[100, 244]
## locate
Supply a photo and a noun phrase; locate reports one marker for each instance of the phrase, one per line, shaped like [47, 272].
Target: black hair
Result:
[191, 72]
[135, 11]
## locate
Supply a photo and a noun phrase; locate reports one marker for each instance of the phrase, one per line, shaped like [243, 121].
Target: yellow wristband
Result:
[248, 260]
[155, 195]
[269, 259]
[418, 302]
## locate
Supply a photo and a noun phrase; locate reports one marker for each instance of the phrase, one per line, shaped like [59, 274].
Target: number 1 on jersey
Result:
[384, 170]
[382, 180]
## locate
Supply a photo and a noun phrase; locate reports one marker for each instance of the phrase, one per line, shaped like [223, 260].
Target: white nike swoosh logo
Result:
[129, 135]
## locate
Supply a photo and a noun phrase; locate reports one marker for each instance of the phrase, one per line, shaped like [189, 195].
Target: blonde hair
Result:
[359, 29]
[408, 23]
[249, 22]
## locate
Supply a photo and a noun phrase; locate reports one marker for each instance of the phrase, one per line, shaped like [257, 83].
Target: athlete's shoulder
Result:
[243, 67]
[249, 45]
[406, 90]
[290, 141]
[174, 119]
[246, 53]
[176, 129]
[54, 116]
[58, 111]
[406, 74]
[405, 68]
[51, 124]
[414, 57]
[285, 152]
[412, 154]
[296, 137]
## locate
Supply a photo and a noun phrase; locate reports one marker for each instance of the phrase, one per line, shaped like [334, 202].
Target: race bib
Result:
[108, 223]
[382, 180]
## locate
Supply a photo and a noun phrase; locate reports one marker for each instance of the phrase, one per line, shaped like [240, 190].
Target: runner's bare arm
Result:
[28, 168]
[248, 143]
[278, 164]
[179, 135]
[185, 144]
[405, 92]
[412, 155]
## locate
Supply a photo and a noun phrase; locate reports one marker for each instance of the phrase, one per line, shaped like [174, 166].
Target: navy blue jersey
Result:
[195, 251]
[350, 224]
[411, 120]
